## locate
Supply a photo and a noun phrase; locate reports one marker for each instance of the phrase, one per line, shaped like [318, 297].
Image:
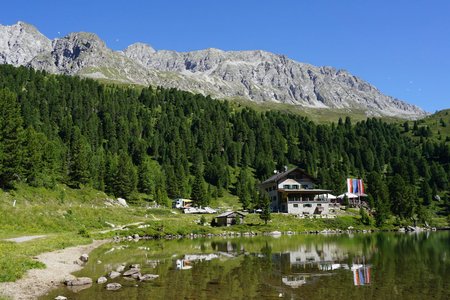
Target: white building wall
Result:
[298, 208]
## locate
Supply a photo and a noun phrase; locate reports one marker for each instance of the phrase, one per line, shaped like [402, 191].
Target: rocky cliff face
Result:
[254, 75]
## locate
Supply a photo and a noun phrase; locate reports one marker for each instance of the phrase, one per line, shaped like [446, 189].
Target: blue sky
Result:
[402, 47]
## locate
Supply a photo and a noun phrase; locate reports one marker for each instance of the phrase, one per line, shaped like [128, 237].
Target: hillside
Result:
[258, 76]
[158, 143]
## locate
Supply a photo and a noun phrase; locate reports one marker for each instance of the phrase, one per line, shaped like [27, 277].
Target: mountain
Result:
[258, 76]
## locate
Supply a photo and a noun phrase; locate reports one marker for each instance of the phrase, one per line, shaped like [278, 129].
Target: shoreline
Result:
[60, 264]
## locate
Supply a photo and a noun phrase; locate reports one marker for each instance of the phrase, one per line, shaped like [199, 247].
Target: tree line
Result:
[168, 143]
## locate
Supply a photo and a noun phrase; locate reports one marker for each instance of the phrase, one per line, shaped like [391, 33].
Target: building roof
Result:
[280, 175]
[289, 181]
[227, 213]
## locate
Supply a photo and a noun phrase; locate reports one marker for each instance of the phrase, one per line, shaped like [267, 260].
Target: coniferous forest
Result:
[167, 143]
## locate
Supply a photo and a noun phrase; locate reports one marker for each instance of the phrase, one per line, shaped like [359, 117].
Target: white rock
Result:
[102, 280]
[113, 286]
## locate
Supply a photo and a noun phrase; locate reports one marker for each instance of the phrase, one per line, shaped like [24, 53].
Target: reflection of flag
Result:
[355, 186]
[361, 276]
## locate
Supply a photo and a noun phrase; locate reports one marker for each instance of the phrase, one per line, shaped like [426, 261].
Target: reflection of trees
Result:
[403, 266]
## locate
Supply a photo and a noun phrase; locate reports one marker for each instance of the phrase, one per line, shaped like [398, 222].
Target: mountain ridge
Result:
[255, 75]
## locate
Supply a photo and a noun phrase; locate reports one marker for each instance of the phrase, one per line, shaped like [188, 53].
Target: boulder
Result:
[131, 272]
[78, 281]
[102, 280]
[84, 257]
[136, 275]
[60, 298]
[135, 266]
[120, 268]
[113, 286]
[122, 202]
[147, 277]
[113, 274]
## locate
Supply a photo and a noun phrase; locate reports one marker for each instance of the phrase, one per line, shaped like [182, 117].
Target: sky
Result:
[402, 47]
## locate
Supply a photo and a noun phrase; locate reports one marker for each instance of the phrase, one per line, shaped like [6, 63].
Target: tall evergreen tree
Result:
[79, 159]
[11, 139]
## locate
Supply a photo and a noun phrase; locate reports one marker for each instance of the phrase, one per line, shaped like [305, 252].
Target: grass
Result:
[318, 115]
[439, 124]
[72, 217]
[40, 210]
[17, 258]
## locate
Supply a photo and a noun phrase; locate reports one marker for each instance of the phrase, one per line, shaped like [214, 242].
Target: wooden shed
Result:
[229, 218]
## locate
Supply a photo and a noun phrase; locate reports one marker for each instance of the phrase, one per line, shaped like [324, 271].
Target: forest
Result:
[165, 143]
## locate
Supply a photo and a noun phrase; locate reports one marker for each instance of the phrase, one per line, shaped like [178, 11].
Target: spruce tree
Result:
[265, 207]
[11, 139]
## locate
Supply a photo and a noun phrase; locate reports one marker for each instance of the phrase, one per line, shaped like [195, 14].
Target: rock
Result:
[101, 280]
[60, 298]
[120, 268]
[135, 266]
[84, 257]
[136, 275]
[113, 286]
[122, 202]
[401, 229]
[78, 281]
[113, 274]
[136, 236]
[131, 272]
[147, 277]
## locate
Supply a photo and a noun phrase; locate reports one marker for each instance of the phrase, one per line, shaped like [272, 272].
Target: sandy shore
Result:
[60, 264]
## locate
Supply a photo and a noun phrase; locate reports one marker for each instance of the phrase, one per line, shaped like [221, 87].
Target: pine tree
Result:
[79, 160]
[198, 193]
[11, 139]
[265, 207]
[126, 177]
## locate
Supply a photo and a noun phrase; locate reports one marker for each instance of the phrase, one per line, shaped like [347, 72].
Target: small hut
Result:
[229, 218]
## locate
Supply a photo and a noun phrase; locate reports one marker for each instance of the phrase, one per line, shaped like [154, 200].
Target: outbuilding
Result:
[229, 218]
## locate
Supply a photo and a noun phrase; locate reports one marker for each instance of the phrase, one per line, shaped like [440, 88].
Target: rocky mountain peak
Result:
[20, 43]
[140, 52]
[255, 75]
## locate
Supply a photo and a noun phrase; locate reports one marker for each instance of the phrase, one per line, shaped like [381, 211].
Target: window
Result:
[295, 205]
[295, 186]
[319, 204]
[307, 205]
[286, 186]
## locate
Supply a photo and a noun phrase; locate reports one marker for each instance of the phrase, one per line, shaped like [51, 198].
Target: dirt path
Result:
[26, 238]
[60, 264]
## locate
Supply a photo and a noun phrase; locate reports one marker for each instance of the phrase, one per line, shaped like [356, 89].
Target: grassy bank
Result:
[17, 258]
[73, 217]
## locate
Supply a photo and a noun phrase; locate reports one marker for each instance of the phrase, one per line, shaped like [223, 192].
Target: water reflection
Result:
[375, 266]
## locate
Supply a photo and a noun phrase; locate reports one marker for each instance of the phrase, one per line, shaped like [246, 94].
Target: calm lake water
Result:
[359, 266]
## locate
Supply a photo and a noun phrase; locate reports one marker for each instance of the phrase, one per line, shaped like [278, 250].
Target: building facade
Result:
[293, 192]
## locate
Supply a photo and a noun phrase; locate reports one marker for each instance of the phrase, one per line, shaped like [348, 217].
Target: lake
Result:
[355, 266]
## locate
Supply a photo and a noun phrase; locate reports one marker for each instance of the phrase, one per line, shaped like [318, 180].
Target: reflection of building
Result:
[293, 192]
[294, 281]
[186, 262]
[316, 254]
[309, 262]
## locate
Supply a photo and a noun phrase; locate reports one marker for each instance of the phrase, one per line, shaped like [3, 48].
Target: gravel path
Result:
[25, 238]
[37, 282]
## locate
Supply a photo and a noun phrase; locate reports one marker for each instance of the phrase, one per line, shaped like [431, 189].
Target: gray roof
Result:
[227, 213]
[280, 175]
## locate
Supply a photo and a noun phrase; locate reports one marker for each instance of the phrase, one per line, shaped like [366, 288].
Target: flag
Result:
[355, 186]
